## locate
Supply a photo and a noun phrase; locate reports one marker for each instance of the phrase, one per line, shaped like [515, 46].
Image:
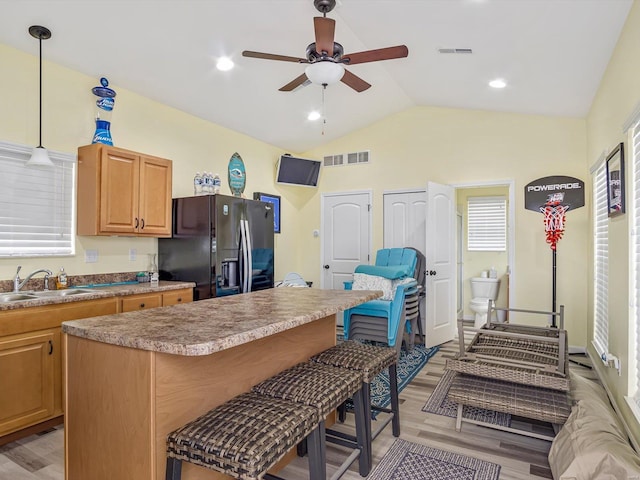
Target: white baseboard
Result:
[573, 349]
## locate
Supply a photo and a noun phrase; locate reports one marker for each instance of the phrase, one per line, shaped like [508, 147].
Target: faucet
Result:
[18, 283]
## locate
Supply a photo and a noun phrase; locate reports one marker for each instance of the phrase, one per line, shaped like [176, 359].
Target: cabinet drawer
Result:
[141, 302]
[177, 297]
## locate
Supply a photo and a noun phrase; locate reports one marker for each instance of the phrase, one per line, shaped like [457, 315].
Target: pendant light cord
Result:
[40, 120]
[324, 118]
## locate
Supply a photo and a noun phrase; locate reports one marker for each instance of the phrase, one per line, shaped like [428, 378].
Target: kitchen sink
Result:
[62, 293]
[15, 297]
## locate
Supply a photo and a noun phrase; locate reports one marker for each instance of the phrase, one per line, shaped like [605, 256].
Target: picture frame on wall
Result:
[275, 200]
[615, 181]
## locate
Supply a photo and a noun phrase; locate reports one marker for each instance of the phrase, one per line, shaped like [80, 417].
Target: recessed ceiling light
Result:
[313, 116]
[224, 64]
[498, 83]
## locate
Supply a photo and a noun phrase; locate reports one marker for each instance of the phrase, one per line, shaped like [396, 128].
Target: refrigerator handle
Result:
[243, 241]
[249, 257]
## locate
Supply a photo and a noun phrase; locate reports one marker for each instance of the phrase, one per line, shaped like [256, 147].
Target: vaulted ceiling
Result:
[551, 53]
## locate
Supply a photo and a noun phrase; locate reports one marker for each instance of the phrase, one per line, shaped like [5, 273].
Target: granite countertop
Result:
[208, 326]
[94, 293]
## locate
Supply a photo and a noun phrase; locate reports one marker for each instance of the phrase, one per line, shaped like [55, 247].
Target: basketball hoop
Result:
[553, 196]
[554, 218]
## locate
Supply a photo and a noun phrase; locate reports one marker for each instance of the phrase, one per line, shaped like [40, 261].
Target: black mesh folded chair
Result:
[420, 275]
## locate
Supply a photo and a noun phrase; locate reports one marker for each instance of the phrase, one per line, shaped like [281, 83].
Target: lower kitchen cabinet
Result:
[28, 366]
[31, 355]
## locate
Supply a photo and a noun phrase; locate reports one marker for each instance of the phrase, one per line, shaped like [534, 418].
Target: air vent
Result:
[331, 160]
[351, 158]
[358, 157]
[455, 50]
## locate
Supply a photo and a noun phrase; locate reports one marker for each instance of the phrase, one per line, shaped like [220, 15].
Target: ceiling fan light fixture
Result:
[224, 64]
[313, 116]
[324, 72]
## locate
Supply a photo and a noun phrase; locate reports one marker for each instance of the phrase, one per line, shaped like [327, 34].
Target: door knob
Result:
[326, 267]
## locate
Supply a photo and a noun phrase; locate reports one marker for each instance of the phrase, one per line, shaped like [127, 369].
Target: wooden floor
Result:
[41, 456]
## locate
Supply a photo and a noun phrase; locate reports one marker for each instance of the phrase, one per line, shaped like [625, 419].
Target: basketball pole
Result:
[553, 287]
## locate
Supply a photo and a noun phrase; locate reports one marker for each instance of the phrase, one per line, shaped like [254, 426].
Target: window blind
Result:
[36, 204]
[600, 260]
[487, 224]
[635, 252]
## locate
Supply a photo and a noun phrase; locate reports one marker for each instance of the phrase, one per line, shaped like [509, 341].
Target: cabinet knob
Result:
[137, 222]
[50, 347]
[179, 299]
[142, 305]
[142, 224]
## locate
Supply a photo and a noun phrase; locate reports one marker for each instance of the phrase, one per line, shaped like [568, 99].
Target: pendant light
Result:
[40, 156]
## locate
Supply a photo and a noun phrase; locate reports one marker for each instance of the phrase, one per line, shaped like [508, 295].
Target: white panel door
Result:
[440, 264]
[405, 216]
[346, 230]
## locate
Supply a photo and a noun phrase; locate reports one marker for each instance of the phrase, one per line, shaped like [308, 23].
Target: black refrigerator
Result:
[224, 244]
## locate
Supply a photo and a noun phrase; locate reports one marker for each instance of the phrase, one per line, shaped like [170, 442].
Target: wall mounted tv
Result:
[298, 171]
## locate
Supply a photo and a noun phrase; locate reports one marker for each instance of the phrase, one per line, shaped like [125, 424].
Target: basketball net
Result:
[554, 218]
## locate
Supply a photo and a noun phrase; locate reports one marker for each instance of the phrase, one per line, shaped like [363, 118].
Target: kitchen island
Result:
[134, 377]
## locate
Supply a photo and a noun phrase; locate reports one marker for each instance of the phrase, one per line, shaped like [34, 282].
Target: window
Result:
[634, 270]
[36, 204]
[487, 224]
[600, 260]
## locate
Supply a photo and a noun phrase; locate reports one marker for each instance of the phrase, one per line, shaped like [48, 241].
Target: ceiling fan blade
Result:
[388, 53]
[271, 56]
[325, 30]
[355, 82]
[294, 83]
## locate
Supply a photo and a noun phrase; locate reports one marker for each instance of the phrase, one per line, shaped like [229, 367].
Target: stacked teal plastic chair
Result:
[364, 321]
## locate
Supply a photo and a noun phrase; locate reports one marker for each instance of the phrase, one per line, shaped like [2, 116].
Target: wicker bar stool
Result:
[325, 388]
[368, 361]
[245, 437]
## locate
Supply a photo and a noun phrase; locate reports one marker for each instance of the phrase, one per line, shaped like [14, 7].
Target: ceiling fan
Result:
[326, 58]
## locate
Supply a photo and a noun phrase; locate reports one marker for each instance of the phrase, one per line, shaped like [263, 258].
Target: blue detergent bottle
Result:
[104, 106]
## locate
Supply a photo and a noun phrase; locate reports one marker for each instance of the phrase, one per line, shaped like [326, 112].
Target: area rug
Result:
[409, 365]
[440, 404]
[410, 461]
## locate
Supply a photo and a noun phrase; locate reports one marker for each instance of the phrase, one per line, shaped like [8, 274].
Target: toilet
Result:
[482, 289]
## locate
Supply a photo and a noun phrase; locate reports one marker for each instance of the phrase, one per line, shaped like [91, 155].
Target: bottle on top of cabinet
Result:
[197, 184]
[61, 280]
[216, 183]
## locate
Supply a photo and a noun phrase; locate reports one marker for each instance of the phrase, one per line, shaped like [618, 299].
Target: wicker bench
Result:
[324, 388]
[245, 437]
[527, 401]
[523, 354]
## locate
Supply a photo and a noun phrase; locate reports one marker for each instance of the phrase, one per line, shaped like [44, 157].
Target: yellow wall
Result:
[616, 99]
[137, 124]
[452, 146]
[475, 262]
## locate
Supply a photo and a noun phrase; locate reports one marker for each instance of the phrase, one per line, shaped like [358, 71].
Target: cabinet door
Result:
[27, 372]
[141, 302]
[177, 297]
[119, 191]
[155, 197]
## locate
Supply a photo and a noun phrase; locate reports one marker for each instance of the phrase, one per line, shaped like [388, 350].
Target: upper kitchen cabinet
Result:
[121, 192]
